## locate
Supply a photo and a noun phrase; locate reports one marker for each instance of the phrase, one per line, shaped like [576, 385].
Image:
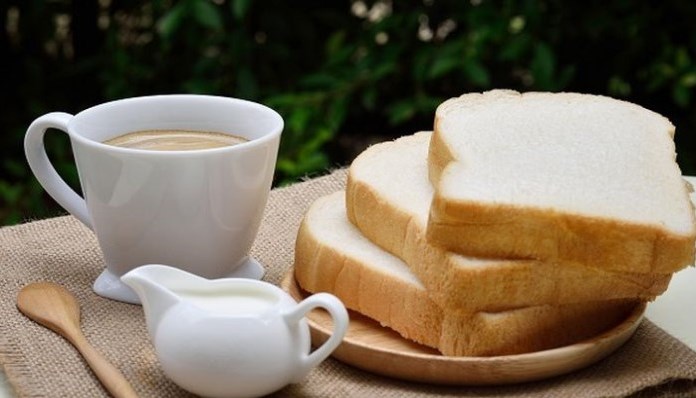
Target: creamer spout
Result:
[150, 283]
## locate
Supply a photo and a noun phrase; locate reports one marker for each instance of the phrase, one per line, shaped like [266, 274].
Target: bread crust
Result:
[483, 230]
[324, 266]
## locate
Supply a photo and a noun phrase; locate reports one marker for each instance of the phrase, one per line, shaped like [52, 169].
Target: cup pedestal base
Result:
[109, 285]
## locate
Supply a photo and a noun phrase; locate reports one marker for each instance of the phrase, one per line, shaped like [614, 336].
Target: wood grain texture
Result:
[54, 307]
[379, 350]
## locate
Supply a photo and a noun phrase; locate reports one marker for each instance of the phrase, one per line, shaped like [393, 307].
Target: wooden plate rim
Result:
[602, 345]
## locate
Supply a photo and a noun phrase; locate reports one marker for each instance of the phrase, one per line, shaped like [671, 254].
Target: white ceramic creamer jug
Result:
[230, 337]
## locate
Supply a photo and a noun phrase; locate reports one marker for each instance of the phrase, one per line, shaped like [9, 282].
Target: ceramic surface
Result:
[197, 210]
[230, 337]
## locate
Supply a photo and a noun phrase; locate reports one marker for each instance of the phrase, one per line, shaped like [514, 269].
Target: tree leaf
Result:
[515, 48]
[240, 8]
[476, 73]
[320, 80]
[443, 65]
[15, 168]
[299, 119]
[401, 111]
[319, 137]
[247, 87]
[168, 25]
[564, 77]
[287, 166]
[382, 70]
[619, 87]
[10, 193]
[682, 58]
[207, 15]
[369, 98]
[688, 79]
[310, 162]
[681, 95]
[421, 63]
[543, 66]
[336, 114]
[335, 42]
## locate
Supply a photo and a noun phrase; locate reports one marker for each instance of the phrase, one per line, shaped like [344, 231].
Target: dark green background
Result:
[342, 74]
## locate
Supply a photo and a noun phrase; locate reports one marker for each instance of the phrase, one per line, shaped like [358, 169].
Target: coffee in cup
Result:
[175, 140]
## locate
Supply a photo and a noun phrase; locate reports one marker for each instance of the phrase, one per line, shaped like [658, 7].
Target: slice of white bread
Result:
[388, 198]
[564, 176]
[332, 256]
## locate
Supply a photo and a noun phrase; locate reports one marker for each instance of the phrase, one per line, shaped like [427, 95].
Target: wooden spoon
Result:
[54, 307]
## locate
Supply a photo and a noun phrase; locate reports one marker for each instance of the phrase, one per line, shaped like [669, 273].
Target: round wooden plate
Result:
[377, 349]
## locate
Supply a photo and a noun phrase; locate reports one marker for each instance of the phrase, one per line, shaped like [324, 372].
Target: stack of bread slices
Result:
[522, 222]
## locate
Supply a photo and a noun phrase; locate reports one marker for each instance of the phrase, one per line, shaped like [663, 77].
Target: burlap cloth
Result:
[39, 363]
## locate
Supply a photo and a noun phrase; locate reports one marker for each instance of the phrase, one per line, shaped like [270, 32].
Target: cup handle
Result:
[41, 166]
[340, 320]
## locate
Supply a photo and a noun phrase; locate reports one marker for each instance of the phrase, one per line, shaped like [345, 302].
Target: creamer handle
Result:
[41, 166]
[340, 320]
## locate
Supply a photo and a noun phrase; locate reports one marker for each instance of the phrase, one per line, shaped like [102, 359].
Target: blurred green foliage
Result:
[343, 74]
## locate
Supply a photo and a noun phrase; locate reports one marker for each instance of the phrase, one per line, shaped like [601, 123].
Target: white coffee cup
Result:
[198, 210]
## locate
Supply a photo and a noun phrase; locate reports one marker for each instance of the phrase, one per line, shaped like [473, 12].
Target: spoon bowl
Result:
[54, 307]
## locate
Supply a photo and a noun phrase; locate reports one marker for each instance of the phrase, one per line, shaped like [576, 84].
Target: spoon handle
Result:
[111, 378]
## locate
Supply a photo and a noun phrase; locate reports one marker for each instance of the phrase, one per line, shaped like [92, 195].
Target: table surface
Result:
[669, 311]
